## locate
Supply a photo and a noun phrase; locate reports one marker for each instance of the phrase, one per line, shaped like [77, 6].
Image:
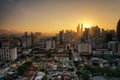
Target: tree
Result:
[71, 69]
[85, 76]
[44, 77]
[22, 69]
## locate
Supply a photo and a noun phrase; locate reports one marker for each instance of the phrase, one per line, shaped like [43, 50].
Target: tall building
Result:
[109, 35]
[95, 34]
[32, 39]
[118, 31]
[68, 36]
[86, 34]
[37, 37]
[27, 40]
[61, 37]
[7, 42]
[50, 44]
[79, 30]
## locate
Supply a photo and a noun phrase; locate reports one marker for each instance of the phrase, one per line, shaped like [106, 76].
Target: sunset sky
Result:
[50, 16]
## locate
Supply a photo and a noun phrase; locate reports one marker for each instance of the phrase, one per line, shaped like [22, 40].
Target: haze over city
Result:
[50, 16]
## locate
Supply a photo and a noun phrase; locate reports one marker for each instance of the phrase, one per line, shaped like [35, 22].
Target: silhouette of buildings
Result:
[95, 34]
[86, 34]
[66, 36]
[26, 42]
[37, 37]
[29, 40]
[118, 30]
[79, 30]
[61, 37]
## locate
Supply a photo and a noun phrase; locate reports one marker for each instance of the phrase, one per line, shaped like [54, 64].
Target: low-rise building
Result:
[84, 48]
[102, 51]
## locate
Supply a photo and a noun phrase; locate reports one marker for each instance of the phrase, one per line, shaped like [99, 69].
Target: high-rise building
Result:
[37, 37]
[61, 37]
[50, 43]
[32, 39]
[95, 34]
[118, 31]
[27, 40]
[7, 42]
[86, 34]
[79, 30]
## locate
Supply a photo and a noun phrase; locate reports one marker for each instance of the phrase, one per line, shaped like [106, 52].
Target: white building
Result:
[8, 54]
[84, 48]
[50, 44]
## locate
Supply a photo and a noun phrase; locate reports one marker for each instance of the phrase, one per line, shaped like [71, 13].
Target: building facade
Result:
[50, 44]
[8, 54]
[84, 48]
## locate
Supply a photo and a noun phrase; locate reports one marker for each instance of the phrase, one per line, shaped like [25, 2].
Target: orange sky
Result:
[50, 16]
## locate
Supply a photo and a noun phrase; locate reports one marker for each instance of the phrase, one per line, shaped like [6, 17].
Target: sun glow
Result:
[86, 25]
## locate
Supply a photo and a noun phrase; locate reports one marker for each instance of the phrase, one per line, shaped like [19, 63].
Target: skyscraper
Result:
[81, 30]
[61, 36]
[86, 34]
[78, 30]
[118, 31]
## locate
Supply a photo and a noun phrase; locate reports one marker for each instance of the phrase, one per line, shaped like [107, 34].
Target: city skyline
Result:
[50, 16]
